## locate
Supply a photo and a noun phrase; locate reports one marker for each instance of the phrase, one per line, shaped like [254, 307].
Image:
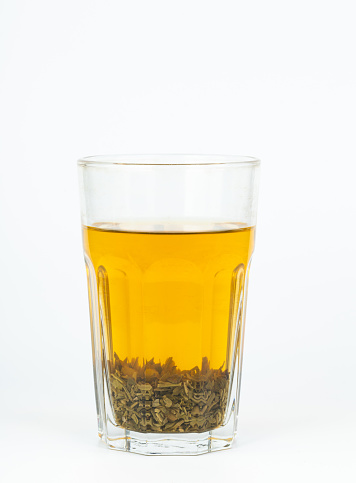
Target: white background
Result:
[272, 79]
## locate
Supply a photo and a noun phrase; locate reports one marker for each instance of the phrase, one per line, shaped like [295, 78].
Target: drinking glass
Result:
[168, 241]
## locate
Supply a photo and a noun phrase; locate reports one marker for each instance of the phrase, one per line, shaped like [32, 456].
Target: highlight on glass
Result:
[168, 241]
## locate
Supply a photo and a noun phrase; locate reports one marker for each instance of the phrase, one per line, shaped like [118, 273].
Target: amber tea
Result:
[170, 301]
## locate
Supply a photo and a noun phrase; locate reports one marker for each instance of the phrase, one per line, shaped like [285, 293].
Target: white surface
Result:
[272, 79]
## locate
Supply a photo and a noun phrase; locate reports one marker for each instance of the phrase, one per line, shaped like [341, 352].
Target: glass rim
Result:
[167, 160]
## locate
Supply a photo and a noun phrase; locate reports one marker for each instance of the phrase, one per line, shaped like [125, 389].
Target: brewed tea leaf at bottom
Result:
[159, 397]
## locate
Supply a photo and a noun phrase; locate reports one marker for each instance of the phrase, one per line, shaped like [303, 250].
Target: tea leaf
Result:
[166, 401]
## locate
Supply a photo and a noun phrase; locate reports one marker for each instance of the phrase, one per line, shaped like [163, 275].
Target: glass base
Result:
[171, 444]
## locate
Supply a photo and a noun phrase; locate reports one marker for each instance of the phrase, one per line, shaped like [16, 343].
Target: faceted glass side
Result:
[153, 443]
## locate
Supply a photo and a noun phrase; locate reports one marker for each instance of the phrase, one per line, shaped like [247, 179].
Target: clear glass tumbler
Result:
[168, 241]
